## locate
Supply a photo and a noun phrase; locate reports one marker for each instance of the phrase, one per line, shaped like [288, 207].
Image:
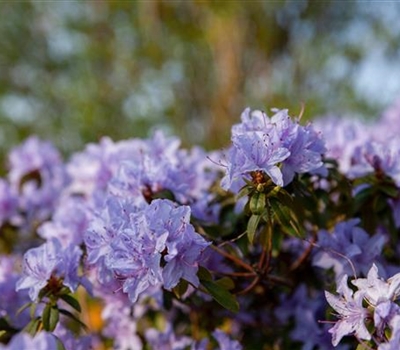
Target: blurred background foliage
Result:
[72, 72]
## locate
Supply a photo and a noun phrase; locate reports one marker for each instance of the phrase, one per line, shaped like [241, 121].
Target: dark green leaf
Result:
[363, 196]
[221, 295]
[73, 317]
[181, 288]
[204, 274]
[390, 190]
[244, 191]
[285, 217]
[71, 301]
[252, 227]
[226, 282]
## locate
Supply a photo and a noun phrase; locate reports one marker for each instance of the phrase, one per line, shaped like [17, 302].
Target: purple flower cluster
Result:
[37, 177]
[362, 147]
[145, 242]
[133, 249]
[382, 311]
[49, 264]
[348, 249]
[141, 169]
[277, 146]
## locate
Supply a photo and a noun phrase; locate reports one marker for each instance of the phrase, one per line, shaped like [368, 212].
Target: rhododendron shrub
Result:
[286, 239]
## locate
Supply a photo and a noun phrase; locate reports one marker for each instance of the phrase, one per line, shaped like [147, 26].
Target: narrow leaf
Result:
[23, 307]
[46, 317]
[71, 301]
[73, 317]
[60, 345]
[285, 217]
[221, 295]
[252, 227]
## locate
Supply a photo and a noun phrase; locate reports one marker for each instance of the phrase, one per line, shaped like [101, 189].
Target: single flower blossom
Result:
[351, 313]
[376, 289]
[47, 261]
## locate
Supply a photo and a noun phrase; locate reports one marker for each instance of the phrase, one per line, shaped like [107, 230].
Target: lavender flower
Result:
[383, 315]
[348, 249]
[37, 173]
[23, 341]
[69, 222]
[10, 300]
[377, 290]
[121, 320]
[342, 137]
[224, 342]
[394, 341]
[159, 165]
[277, 146]
[306, 307]
[351, 312]
[379, 158]
[49, 260]
[92, 169]
[132, 246]
[167, 339]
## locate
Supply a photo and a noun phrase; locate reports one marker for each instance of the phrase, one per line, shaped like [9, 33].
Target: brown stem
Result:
[250, 286]
[295, 265]
[233, 258]
[280, 280]
[235, 274]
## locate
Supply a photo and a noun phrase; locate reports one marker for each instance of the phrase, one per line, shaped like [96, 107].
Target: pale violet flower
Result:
[376, 289]
[348, 249]
[46, 261]
[23, 341]
[278, 146]
[394, 341]
[351, 313]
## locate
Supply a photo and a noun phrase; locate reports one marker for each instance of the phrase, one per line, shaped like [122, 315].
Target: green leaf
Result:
[33, 326]
[244, 191]
[73, 317]
[390, 190]
[50, 317]
[362, 347]
[363, 196]
[286, 218]
[32, 310]
[60, 345]
[257, 203]
[252, 227]
[204, 274]
[221, 295]
[181, 288]
[71, 301]
[226, 282]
